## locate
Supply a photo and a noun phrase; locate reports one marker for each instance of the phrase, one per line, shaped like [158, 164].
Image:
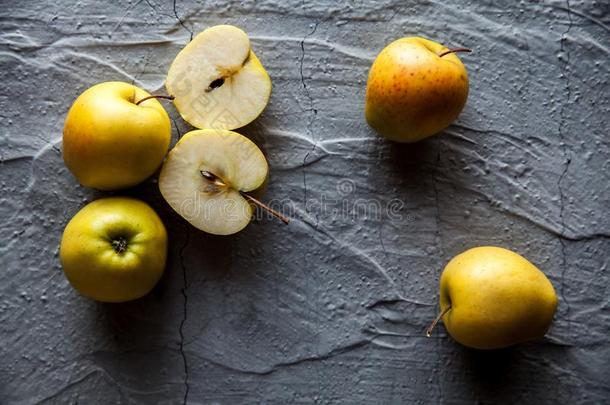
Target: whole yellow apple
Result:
[109, 141]
[492, 298]
[114, 249]
[415, 89]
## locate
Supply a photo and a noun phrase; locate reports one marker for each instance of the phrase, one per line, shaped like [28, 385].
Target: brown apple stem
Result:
[155, 96]
[265, 207]
[436, 320]
[454, 50]
[217, 181]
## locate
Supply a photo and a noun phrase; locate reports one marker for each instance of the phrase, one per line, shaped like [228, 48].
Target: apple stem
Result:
[454, 50]
[265, 207]
[436, 320]
[155, 96]
[217, 181]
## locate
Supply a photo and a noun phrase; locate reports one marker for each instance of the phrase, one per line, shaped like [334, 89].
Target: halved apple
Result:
[207, 176]
[217, 81]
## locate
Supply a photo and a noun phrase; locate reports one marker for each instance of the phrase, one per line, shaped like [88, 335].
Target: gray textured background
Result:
[333, 307]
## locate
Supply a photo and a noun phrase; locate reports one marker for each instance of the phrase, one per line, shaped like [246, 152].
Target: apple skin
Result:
[109, 142]
[92, 265]
[412, 93]
[497, 298]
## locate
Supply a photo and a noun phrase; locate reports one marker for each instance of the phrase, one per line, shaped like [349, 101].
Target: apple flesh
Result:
[492, 298]
[110, 142]
[412, 92]
[205, 178]
[217, 81]
[114, 249]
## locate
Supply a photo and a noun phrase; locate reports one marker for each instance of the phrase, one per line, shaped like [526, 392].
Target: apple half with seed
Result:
[208, 179]
[217, 81]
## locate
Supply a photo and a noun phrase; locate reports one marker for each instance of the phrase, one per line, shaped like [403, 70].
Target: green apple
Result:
[491, 298]
[114, 249]
[217, 81]
[209, 177]
[112, 142]
[415, 89]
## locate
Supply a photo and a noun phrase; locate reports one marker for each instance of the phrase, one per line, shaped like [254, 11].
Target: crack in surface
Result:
[177, 128]
[184, 317]
[338, 351]
[384, 302]
[568, 158]
[156, 10]
[332, 353]
[581, 14]
[190, 31]
[312, 108]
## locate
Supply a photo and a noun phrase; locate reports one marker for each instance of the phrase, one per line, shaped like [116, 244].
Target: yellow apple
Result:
[415, 89]
[217, 81]
[491, 298]
[109, 141]
[114, 249]
[209, 178]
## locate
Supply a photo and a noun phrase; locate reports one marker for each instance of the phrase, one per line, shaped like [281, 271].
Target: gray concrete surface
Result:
[333, 307]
